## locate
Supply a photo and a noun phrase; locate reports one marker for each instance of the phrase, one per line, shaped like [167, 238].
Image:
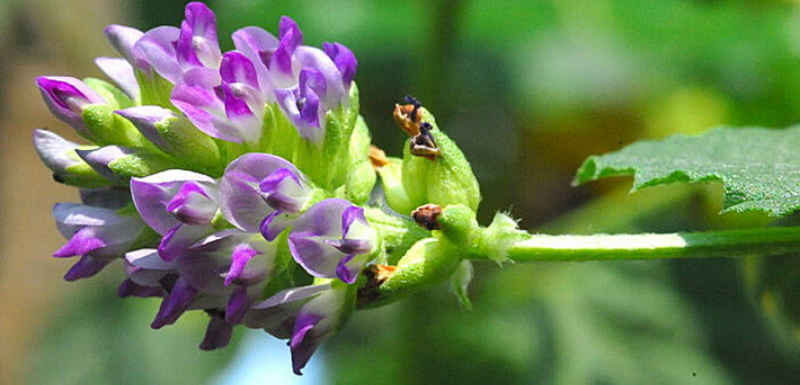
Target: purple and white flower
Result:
[98, 235]
[333, 240]
[172, 51]
[180, 205]
[262, 193]
[306, 315]
[228, 104]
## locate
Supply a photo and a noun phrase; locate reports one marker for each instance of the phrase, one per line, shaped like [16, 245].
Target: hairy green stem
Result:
[732, 243]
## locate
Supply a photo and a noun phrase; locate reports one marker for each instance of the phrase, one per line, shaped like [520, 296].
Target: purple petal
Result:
[157, 47]
[66, 97]
[145, 119]
[258, 45]
[237, 68]
[237, 306]
[302, 111]
[192, 204]
[152, 193]
[241, 255]
[83, 242]
[199, 45]
[291, 295]
[178, 239]
[175, 304]
[218, 333]
[129, 288]
[310, 57]
[241, 201]
[121, 72]
[317, 258]
[290, 38]
[344, 59]
[301, 344]
[100, 159]
[145, 267]
[99, 231]
[276, 314]
[123, 39]
[319, 240]
[86, 267]
[253, 40]
[345, 273]
[274, 224]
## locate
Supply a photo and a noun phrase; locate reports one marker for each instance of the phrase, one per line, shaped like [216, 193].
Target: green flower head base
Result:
[243, 183]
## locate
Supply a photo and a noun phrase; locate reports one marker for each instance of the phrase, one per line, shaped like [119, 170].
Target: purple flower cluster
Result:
[227, 242]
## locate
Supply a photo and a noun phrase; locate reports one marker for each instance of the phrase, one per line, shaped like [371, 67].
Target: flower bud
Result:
[66, 98]
[59, 155]
[121, 163]
[429, 262]
[175, 135]
[434, 168]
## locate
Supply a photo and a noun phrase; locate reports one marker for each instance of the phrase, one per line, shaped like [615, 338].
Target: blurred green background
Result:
[528, 89]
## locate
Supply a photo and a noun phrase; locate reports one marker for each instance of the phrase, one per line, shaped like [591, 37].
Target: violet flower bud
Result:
[121, 72]
[123, 39]
[333, 240]
[66, 97]
[59, 155]
[306, 315]
[174, 135]
[230, 263]
[344, 59]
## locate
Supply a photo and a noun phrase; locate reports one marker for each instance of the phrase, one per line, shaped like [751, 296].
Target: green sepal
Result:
[114, 96]
[428, 262]
[279, 137]
[393, 190]
[79, 174]
[339, 127]
[501, 234]
[457, 224]
[191, 147]
[396, 234]
[154, 90]
[140, 163]
[459, 283]
[361, 176]
[108, 128]
[445, 180]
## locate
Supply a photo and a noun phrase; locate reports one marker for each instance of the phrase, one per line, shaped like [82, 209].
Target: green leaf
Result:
[759, 167]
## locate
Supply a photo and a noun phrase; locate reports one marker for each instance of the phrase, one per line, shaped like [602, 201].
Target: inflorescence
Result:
[243, 183]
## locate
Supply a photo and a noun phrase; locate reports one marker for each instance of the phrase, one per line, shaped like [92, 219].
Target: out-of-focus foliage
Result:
[100, 339]
[528, 90]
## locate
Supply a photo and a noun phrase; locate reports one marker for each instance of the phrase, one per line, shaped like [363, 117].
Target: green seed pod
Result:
[434, 168]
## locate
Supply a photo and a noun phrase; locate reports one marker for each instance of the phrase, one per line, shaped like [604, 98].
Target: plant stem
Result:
[733, 243]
